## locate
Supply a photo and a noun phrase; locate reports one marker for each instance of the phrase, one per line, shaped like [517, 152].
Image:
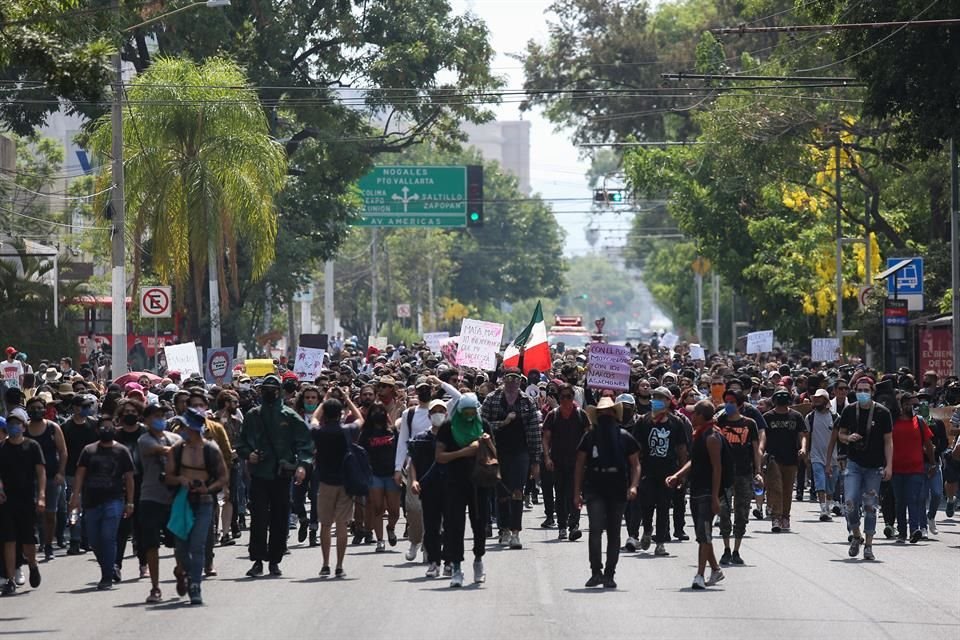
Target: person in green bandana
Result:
[458, 441]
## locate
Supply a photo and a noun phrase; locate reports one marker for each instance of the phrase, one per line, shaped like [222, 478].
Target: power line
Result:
[55, 196]
[51, 222]
[946, 22]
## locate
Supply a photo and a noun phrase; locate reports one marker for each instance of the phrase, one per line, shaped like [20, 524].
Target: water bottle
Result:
[757, 490]
[74, 517]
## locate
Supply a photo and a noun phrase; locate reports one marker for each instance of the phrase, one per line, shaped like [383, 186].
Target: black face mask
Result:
[645, 396]
[424, 394]
[130, 419]
[105, 433]
[781, 401]
[35, 414]
[269, 395]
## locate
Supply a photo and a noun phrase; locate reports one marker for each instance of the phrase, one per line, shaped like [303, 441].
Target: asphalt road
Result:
[794, 585]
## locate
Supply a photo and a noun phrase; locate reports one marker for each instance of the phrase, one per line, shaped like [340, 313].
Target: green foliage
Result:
[23, 208]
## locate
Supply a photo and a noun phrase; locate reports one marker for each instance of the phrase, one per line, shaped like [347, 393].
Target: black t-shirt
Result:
[783, 435]
[331, 446]
[105, 469]
[18, 470]
[423, 452]
[740, 434]
[511, 438]
[129, 439]
[869, 451]
[565, 435]
[77, 436]
[595, 480]
[701, 468]
[461, 469]
[659, 443]
[381, 446]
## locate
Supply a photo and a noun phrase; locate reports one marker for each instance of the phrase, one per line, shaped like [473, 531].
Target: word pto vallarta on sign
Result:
[414, 196]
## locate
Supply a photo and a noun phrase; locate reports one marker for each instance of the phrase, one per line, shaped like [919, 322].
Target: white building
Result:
[508, 143]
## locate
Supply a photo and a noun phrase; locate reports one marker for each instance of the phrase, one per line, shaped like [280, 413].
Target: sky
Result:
[556, 170]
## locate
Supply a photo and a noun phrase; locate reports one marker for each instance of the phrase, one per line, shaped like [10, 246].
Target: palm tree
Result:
[202, 174]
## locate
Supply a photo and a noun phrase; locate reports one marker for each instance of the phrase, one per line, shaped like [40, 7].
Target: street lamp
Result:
[118, 276]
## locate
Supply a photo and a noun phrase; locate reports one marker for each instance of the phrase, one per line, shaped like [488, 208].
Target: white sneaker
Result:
[433, 570]
[504, 537]
[412, 552]
[715, 577]
[479, 575]
[698, 582]
[20, 579]
[457, 580]
[932, 526]
[515, 541]
[660, 550]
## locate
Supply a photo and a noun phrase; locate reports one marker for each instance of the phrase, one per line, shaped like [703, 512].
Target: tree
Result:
[25, 210]
[202, 176]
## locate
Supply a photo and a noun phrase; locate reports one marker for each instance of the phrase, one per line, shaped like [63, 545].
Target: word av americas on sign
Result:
[414, 196]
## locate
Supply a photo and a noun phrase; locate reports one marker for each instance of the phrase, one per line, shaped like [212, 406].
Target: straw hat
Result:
[605, 403]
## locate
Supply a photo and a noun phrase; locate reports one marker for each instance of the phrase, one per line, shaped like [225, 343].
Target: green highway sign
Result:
[414, 196]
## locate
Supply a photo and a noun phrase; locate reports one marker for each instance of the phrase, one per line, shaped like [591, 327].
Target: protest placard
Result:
[697, 352]
[380, 342]
[479, 344]
[182, 358]
[669, 340]
[608, 366]
[434, 339]
[825, 350]
[759, 342]
[218, 368]
[309, 361]
[448, 349]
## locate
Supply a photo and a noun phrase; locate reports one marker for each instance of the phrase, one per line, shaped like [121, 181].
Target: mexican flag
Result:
[533, 340]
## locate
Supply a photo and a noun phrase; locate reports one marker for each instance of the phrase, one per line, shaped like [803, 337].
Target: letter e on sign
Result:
[156, 302]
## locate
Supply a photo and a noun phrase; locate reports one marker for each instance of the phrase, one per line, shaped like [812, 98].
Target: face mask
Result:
[730, 408]
[424, 394]
[781, 401]
[87, 412]
[269, 395]
[36, 414]
[106, 434]
[14, 429]
[310, 406]
[658, 405]
[245, 386]
[129, 419]
[924, 410]
[436, 419]
[158, 424]
[863, 397]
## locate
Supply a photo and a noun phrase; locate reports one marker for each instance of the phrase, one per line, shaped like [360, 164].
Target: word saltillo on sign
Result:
[608, 366]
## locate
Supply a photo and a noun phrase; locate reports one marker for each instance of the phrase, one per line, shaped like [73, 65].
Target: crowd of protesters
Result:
[124, 468]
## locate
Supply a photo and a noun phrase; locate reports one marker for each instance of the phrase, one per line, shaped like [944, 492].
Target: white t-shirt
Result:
[420, 424]
[12, 372]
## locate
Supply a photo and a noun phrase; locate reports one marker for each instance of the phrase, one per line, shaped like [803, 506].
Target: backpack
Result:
[209, 458]
[486, 466]
[357, 474]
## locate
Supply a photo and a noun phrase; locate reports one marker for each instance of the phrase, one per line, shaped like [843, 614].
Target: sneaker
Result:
[19, 578]
[562, 535]
[392, 537]
[923, 535]
[74, 550]
[210, 572]
[631, 544]
[932, 526]
[34, 576]
[357, 538]
[715, 577]
[456, 580]
[548, 523]
[195, 597]
[412, 552]
[698, 583]
[117, 576]
[504, 537]
[757, 514]
[381, 546]
[275, 569]
[854, 549]
[681, 536]
[736, 559]
[888, 532]
[660, 550]
[182, 581]
[595, 580]
[339, 573]
[609, 582]
[515, 541]
[144, 571]
[302, 530]
[433, 570]
[914, 537]
[255, 571]
[825, 517]
[447, 569]
[902, 539]
[313, 538]
[645, 541]
[325, 572]
[155, 596]
[226, 540]
[775, 525]
[785, 524]
[951, 508]
[575, 534]
[48, 552]
[368, 537]
[527, 505]
[725, 558]
[9, 588]
[837, 511]
[105, 585]
[868, 553]
[479, 575]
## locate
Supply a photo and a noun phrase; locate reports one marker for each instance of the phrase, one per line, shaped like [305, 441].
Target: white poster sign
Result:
[669, 340]
[759, 342]
[309, 361]
[434, 340]
[182, 358]
[825, 350]
[697, 353]
[479, 344]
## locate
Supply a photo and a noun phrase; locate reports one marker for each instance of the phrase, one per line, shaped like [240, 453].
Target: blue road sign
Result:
[909, 280]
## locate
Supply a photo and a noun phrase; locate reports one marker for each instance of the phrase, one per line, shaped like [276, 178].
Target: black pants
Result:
[679, 508]
[888, 504]
[605, 513]
[568, 516]
[547, 483]
[431, 501]
[299, 493]
[656, 496]
[460, 497]
[269, 512]
[130, 527]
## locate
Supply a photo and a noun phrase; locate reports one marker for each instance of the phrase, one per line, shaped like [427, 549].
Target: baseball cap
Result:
[662, 392]
[11, 351]
[20, 414]
[195, 419]
[822, 393]
[512, 372]
[626, 398]
[436, 403]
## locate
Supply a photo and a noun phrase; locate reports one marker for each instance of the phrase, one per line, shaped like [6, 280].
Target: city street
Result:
[794, 585]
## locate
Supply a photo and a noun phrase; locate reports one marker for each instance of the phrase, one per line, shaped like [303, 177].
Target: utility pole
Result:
[955, 253]
[839, 251]
[373, 283]
[868, 267]
[329, 324]
[715, 340]
[698, 280]
[118, 275]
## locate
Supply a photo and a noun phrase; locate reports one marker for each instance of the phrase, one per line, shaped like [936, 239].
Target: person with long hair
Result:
[379, 438]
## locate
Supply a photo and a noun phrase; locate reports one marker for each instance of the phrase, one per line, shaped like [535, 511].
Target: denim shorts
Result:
[384, 482]
[53, 489]
[820, 480]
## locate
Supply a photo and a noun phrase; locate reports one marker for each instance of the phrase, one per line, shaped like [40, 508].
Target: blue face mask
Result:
[863, 397]
[730, 408]
[657, 405]
[14, 429]
[158, 424]
[87, 412]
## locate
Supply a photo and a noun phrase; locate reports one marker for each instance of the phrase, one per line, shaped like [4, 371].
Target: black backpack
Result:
[357, 474]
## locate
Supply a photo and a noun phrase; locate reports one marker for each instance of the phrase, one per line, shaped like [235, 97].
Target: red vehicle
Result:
[94, 333]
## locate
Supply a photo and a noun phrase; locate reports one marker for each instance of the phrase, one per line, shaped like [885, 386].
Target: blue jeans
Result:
[192, 553]
[861, 486]
[76, 531]
[101, 524]
[934, 491]
[823, 482]
[908, 494]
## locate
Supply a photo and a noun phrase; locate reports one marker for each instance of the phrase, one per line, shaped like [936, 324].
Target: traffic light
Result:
[610, 196]
[475, 196]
